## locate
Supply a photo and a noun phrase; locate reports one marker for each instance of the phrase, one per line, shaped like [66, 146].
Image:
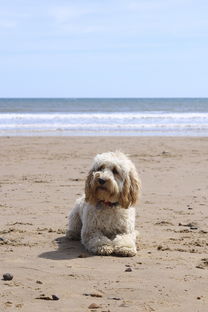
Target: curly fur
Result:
[104, 218]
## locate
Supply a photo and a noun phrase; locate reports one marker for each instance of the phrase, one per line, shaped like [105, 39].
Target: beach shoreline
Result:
[118, 117]
[41, 177]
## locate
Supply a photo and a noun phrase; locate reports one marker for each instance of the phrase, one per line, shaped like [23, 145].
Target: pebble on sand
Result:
[98, 295]
[94, 306]
[128, 270]
[44, 297]
[54, 297]
[7, 277]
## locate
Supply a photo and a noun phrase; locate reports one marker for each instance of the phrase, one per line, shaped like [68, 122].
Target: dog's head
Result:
[113, 179]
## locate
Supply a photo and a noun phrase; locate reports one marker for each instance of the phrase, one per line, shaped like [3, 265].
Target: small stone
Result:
[7, 277]
[54, 297]
[198, 298]
[98, 295]
[203, 232]
[3, 241]
[39, 282]
[193, 250]
[165, 153]
[162, 248]
[192, 226]
[200, 266]
[205, 261]
[43, 297]
[128, 270]
[94, 306]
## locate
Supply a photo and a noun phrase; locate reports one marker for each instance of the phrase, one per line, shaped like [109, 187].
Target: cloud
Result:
[63, 13]
[94, 25]
[149, 18]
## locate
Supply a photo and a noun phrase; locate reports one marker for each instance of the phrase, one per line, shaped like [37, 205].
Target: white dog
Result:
[104, 218]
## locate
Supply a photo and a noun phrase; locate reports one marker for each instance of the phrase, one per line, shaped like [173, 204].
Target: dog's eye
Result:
[115, 171]
[100, 168]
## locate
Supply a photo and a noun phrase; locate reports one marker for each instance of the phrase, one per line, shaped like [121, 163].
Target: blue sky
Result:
[126, 48]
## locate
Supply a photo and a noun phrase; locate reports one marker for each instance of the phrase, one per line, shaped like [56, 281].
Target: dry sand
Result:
[40, 180]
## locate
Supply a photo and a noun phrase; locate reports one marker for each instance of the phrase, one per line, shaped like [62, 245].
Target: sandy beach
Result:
[40, 179]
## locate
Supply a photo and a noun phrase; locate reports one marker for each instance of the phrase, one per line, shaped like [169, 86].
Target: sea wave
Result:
[115, 115]
[102, 126]
[114, 123]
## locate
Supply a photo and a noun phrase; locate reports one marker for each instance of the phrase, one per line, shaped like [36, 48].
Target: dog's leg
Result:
[125, 244]
[74, 223]
[96, 242]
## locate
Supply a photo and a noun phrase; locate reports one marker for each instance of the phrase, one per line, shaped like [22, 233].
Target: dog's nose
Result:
[101, 181]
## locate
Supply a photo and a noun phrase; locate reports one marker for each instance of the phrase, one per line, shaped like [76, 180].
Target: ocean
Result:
[97, 117]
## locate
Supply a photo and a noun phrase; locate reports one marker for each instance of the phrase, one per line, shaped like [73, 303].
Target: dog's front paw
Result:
[125, 252]
[105, 250]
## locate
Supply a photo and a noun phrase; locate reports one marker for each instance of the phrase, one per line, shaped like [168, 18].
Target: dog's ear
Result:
[124, 196]
[135, 186]
[89, 194]
[131, 189]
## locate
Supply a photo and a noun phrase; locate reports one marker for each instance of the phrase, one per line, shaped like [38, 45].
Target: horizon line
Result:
[97, 98]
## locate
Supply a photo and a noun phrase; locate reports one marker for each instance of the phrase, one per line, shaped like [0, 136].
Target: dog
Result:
[104, 218]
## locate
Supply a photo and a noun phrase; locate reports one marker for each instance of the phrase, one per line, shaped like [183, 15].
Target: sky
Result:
[109, 48]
